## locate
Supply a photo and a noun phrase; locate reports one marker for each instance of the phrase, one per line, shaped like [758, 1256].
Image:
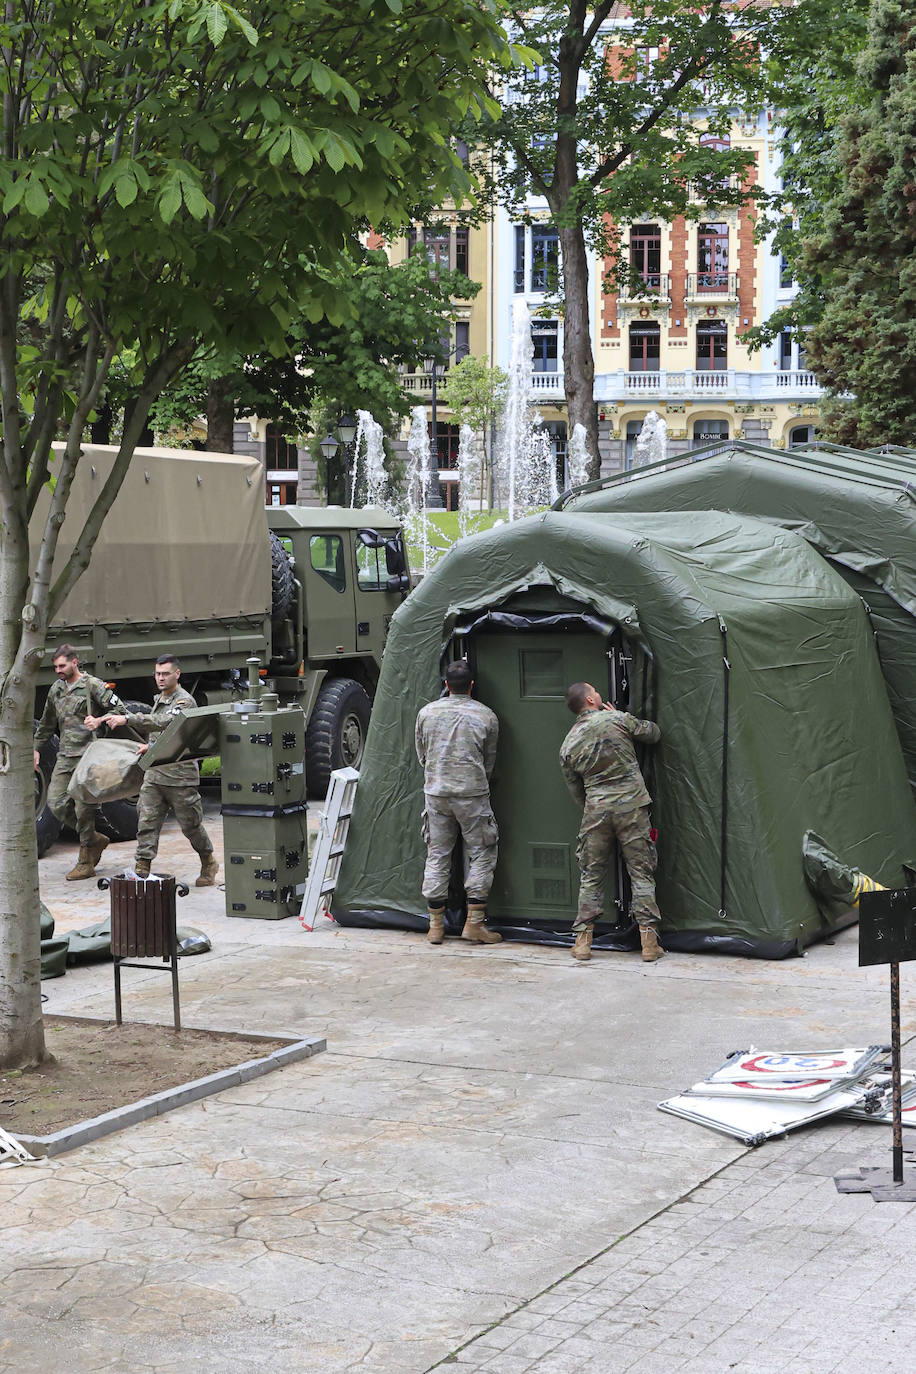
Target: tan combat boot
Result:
[96, 847]
[85, 868]
[475, 928]
[436, 933]
[651, 949]
[141, 868]
[208, 870]
[582, 949]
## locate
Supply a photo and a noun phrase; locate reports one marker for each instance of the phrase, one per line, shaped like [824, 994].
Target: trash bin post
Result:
[887, 935]
[143, 925]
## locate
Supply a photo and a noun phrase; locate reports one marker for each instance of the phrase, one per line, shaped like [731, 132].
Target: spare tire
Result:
[336, 732]
[47, 826]
[282, 582]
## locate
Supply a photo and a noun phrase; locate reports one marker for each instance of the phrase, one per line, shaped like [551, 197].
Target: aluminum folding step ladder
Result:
[333, 825]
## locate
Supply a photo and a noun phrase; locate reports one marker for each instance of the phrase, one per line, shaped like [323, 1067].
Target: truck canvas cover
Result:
[858, 509]
[767, 689]
[177, 519]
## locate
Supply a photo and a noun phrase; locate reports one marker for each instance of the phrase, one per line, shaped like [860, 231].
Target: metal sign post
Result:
[887, 935]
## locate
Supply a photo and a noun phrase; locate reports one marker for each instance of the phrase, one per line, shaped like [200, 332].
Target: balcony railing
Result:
[656, 286]
[543, 384]
[716, 285]
[726, 384]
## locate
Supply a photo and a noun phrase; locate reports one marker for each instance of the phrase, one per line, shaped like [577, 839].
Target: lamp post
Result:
[433, 495]
[329, 447]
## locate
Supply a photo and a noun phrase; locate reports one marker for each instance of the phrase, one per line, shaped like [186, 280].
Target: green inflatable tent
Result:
[758, 662]
[858, 509]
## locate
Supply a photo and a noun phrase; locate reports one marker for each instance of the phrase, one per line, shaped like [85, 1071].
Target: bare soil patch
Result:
[98, 1066]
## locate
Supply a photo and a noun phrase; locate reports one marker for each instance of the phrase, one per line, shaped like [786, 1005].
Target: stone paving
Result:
[473, 1176]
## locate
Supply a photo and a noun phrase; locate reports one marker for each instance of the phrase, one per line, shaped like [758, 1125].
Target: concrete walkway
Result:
[473, 1176]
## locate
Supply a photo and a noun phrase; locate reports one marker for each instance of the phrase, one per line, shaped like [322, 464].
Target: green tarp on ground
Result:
[742, 619]
[857, 509]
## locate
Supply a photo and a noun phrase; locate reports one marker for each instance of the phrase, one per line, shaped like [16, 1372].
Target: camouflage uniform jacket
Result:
[599, 761]
[67, 707]
[164, 710]
[456, 745]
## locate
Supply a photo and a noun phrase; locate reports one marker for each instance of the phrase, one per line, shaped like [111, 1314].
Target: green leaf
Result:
[14, 194]
[302, 151]
[126, 190]
[36, 199]
[247, 29]
[169, 202]
[321, 78]
[217, 23]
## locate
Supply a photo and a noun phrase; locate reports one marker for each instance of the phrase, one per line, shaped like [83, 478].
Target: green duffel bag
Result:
[107, 771]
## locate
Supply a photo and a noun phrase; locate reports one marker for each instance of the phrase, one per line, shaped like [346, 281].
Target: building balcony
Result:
[728, 384]
[711, 287]
[544, 385]
[656, 288]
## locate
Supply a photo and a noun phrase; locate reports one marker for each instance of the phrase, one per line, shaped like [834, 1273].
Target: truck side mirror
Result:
[398, 583]
[394, 557]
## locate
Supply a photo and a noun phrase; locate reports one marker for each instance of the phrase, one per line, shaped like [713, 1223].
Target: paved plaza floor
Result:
[473, 1176]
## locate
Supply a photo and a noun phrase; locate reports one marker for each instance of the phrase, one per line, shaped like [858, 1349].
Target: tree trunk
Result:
[220, 416]
[578, 359]
[21, 1027]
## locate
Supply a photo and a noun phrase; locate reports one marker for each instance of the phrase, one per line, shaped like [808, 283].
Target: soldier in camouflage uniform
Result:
[456, 745]
[170, 786]
[601, 771]
[70, 701]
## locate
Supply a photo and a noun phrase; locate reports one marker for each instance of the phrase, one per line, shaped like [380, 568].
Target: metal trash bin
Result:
[143, 926]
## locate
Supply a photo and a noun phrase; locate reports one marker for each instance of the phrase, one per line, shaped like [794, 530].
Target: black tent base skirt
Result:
[620, 938]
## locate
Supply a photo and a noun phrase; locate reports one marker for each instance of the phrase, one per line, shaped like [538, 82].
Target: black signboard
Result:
[887, 926]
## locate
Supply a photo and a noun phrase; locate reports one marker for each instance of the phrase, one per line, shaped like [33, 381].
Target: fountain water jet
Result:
[369, 433]
[652, 441]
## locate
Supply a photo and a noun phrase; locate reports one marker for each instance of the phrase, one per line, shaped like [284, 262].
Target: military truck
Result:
[189, 561]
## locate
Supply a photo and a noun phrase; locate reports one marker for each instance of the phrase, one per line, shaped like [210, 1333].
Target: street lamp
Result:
[328, 447]
[347, 430]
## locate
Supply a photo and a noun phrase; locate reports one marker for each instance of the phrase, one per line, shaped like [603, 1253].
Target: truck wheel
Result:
[47, 826]
[117, 820]
[282, 591]
[336, 733]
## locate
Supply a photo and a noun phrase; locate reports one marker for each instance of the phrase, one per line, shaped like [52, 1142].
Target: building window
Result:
[645, 59]
[461, 249]
[446, 449]
[462, 340]
[520, 257]
[709, 432]
[437, 241]
[786, 277]
[646, 253]
[785, 351]
[801, 436]
[545, 253]
[645, 346]
[712, 257]
[544, 340]
[718, 143]
[280, 453]
[633, 428]
[712, 346]
[462, 152]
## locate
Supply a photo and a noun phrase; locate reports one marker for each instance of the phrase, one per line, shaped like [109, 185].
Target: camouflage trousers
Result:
[443, 820]
[79, 815]
[601, 826]
[155, 801]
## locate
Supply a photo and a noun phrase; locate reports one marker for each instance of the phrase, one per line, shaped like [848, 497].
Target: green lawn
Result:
[443, 533]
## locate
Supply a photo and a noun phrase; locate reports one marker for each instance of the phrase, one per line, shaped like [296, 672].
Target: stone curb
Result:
[71, 1137]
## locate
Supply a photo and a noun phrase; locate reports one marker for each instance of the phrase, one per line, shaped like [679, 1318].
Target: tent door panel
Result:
[523, 677]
